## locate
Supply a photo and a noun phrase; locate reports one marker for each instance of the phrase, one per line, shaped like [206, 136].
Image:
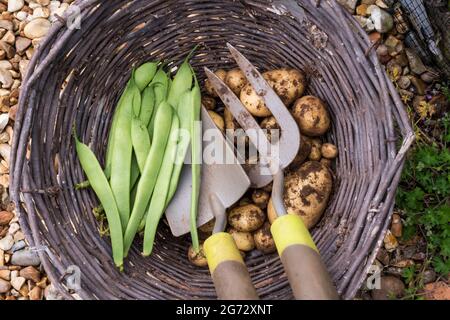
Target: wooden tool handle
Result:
[230, 275]
[307, 275]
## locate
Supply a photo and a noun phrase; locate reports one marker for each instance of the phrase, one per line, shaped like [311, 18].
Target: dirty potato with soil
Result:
[312, 116]
[244, 240]
[197, 258]
[306, 194]
[236, 80]
[246, 218]
[263, 239]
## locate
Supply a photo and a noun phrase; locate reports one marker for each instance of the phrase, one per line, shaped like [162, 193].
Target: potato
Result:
[208, 227]
[312, 116]
[261, 198]
[315, 154]
[230, 122]
[271, 213]
[326, 162]
[236, 80]
[303, 152]
[246, 218]
[289, 84]
[209, 102]
[244, 240]
[253, 102]
[269, 124]
[222, 74]
[263, 239]
[218, 120]
[197, 259]
[329, 151]
[306, 194]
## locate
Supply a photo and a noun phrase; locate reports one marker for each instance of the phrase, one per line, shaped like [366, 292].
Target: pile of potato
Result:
[308, 180]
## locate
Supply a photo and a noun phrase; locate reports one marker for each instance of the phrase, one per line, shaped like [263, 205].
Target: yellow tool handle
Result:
[229, 273]
[307, 275]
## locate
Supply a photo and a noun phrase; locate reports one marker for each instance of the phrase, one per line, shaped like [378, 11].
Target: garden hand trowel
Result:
[223, 183]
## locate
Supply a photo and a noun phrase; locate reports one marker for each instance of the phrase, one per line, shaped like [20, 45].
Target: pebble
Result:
[429, 77]
[390, 242]
[5, 286]
[383, 54]
[350, 5]
[419, 84]
[50, 293]
[390, 288]
[396, 224]
[18, 236]
[437, 291]
[19, 245]
[18, 282]
[403, 83]
[381, 4]
[25, 258]
[22, 44]
[15, 5]
[394, 45]
[415, 63]
[5, 151]
[2, 258]
[13, 228]
[382, 20]
[6, 79]
[404, 263]
[41, 12]
[6, 24]
[361, 10]
[428, 276]
[43, 2]
[5, 217]
[35, 293]
[5, 275]
[7, 242]
[30, 273]
[37, 28]
[365, 23]
[21, 15]
[383, 256]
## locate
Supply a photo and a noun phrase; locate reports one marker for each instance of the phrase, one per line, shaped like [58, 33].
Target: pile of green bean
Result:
[146, 149]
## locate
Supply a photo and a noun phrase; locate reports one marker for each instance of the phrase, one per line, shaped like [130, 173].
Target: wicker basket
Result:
[76, 77]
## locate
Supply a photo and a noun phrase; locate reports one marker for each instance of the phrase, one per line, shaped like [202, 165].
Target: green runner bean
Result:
[158, 200]
[149, 176]
[104, 193]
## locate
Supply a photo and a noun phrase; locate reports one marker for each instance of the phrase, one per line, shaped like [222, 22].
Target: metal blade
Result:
[260, 174]
[228, 182]
[289, 142]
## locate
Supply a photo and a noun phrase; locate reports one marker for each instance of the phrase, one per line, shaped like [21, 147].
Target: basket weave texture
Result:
[76, 76]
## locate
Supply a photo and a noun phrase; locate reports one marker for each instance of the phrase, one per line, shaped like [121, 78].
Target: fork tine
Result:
[289, 143]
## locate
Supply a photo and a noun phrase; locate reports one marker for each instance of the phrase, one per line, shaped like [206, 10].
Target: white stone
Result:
[4, 119]
[7, 242]
[37, 28]
[6, 79]
[18, 282]
[41, 13]
[13, 228]
[5, 64]
[15, 5]
[382, 20]
[34, 5]
[21, 15]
